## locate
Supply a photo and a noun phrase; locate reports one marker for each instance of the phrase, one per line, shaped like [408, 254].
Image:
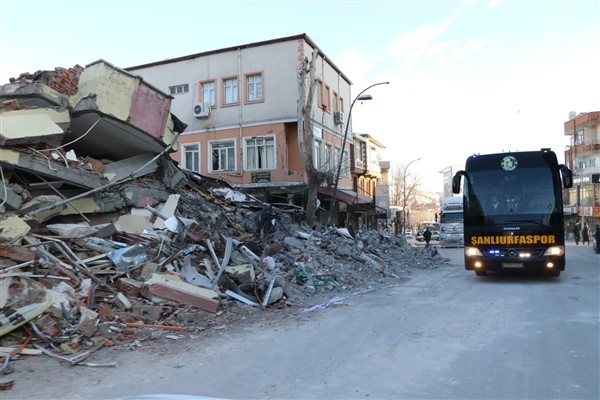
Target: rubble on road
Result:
[96, 251]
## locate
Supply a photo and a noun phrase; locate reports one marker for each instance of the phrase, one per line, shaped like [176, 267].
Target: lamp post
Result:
[339, 166]
[404, 194]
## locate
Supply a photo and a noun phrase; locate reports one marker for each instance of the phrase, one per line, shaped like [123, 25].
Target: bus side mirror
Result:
[567, 176]
[456, 181]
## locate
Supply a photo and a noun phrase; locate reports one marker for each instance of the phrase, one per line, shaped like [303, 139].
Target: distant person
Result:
[427, 236]
[585, 234]
[494, 203]
[597, 237]
[577, 233]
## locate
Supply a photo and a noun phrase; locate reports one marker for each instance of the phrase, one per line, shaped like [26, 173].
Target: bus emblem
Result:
[509, 163]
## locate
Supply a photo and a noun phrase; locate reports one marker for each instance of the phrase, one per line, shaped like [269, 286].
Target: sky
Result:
[466, 77]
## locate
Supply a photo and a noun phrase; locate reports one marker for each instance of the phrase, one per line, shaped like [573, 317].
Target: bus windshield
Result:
[520, 192]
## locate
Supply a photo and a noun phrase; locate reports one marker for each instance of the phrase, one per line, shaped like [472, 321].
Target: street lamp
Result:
[339, 166]
[404, 194]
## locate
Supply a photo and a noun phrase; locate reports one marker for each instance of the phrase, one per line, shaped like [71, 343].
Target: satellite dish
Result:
[572, 115]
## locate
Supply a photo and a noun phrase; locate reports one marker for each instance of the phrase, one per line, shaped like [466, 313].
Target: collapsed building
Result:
[102, 233]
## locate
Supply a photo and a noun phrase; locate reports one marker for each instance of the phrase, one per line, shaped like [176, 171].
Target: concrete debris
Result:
[105, 244]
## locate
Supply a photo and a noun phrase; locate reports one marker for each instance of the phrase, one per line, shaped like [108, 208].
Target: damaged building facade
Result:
[242, 104]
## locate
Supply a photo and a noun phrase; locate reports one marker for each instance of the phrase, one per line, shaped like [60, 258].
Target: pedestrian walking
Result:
[427, 237]
[577, 232]
[597, 238]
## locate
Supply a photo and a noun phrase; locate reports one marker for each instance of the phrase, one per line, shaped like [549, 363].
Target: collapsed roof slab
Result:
[49, 169]
[102, 136]
[117, 115]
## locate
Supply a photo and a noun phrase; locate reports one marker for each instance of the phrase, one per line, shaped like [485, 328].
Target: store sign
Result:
[261, 177]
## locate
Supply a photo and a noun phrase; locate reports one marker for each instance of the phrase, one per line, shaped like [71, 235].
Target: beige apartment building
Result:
[242, 107]
[582, 201]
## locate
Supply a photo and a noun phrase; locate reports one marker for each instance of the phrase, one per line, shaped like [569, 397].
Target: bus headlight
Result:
[555, 251]
[473, 252]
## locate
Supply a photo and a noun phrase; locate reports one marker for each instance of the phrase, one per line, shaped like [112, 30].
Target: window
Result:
[327, 99]
[230, 91]
[345, 167]
[190, 154]
[260, 153]
[222, 155]
[318, 161]
[318, 132]
[179, 89]
[336, 102]
[327, 156]
[374, 158]
[254, 87]
[320, 94]
[208, 92]
[579, 137]
[323, 161]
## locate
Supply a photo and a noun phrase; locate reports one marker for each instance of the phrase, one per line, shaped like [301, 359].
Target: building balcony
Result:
[358, 167]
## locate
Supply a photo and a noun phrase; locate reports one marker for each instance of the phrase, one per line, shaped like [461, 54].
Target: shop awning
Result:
[358, 203]
[347, 196]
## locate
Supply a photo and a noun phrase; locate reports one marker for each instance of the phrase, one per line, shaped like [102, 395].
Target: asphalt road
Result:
[444, 334]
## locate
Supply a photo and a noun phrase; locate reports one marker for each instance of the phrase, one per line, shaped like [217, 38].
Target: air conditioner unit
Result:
[338, 118]
[202, 110]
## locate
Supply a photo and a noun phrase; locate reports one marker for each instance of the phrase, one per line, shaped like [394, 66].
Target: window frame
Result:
[230, 157]
[212, 97]
[318, 154]
[184, 156]
[345, 169]
[174, 90]
[246, 158]
[247, 79]
[224, 89]
[327, 98]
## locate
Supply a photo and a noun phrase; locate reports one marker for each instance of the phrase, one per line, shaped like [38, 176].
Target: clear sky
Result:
[466, 77]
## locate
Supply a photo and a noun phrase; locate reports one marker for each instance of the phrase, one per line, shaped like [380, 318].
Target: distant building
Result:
[582, 156]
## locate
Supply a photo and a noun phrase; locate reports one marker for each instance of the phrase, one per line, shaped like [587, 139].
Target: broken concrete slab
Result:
[173, 288]
[31, 127]
[12, 229]
[32, 163]
[10, 199]
[140, 165]
[134, 223]
[167, 210]
[44, 208]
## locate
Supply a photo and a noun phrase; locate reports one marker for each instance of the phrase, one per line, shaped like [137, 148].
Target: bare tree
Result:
[400, 180]
[316, 175]
[404, 188]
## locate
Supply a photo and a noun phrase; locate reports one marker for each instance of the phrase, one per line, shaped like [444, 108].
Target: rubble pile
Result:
[80, 286]
[104, 244]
